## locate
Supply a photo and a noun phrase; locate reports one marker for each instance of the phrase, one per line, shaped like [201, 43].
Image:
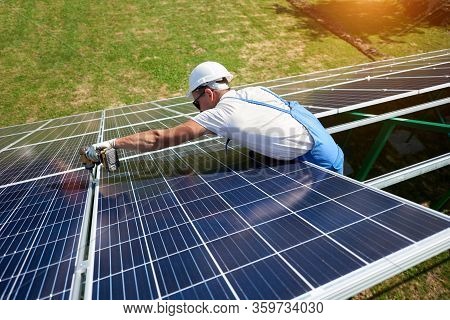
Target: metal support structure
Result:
[441, 118]
[388, 126]
[375, 150]
[409, 123]
[372, 118]
[441, 202]
[412, 171]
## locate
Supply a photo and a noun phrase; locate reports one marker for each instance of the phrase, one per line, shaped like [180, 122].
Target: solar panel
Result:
[75, 119]
[256, 233]
[21, 128]
[194, 222]
[339, 99]
[46, 158]
[8, 140]
[40, 225]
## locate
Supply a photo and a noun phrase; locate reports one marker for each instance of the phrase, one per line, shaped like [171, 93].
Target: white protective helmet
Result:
[206, 74]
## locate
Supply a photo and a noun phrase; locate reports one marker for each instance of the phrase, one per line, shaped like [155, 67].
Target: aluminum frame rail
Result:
[409, 172]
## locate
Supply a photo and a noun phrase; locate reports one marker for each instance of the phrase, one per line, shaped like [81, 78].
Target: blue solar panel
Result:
[271, 232]
[216, 288]
[371, 241]
[410, 221]
[267, 279]
[329, 216]
[39, 234]
[47, 158]
[322, 260]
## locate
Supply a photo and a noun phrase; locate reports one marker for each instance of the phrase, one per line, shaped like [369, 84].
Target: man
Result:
[254, 117]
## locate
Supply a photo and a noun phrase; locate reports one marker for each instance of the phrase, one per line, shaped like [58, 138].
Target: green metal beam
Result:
[441, 202]
[417, 124]
[375, 150]
[387, 127]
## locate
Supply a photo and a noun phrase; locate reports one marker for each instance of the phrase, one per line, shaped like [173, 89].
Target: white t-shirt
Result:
[262, 129]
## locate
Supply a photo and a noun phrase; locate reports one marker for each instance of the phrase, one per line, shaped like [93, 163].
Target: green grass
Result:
[428, 280]
[65, 57]
[383, 24]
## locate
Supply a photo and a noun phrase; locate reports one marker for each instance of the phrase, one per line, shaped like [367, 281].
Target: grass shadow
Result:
[314, 30]
[360, 18]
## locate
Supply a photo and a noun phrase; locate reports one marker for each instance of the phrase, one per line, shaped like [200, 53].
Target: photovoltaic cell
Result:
[186, 108]
[61, 132]
[184, 269]
[137, 117]
[215, 288]
[370, 241]
[130, 109]
[287, 231]
[39, 234]
[395, 83]
[8, 140]
[171, 102]
[269, 278]
[339, 99]
[42, 159]
[21, 128]
[86, 117]
[322, 260]
[409, 221]
[358, 201]
[329, 216]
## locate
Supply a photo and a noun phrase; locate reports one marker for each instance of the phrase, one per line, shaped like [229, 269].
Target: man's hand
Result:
[92, 151]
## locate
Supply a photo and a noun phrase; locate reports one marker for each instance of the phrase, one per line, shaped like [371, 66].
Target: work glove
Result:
[92, 151]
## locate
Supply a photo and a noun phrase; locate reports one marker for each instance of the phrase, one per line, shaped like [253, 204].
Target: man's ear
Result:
[210, 93]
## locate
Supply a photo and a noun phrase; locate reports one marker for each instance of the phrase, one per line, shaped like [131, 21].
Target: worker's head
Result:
[207, 78]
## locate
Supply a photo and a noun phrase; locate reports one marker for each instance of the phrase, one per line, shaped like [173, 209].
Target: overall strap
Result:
[275, 95]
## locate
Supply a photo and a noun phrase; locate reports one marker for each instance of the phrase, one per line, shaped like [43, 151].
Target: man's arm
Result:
[158, 139]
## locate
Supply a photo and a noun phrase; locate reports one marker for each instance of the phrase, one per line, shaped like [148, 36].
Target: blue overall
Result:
[325, 152]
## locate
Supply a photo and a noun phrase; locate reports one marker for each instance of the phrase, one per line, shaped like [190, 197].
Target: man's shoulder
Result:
[250, 89]
[244, 93]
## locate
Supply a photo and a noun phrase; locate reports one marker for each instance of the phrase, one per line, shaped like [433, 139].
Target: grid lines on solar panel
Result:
[79, 118]
[6, 141]
[39, 233]
[21, 128]
[336, 99]
[137, 117]
[146, 106]
[363, 70]
[303, 82]
[259, 235]
[60, 132]
[46, 158]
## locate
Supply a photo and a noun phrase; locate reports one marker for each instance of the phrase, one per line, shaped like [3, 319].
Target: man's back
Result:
[263, 129]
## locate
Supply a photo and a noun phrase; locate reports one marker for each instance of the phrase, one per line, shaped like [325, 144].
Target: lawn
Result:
[59, 58]
[65, 57]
